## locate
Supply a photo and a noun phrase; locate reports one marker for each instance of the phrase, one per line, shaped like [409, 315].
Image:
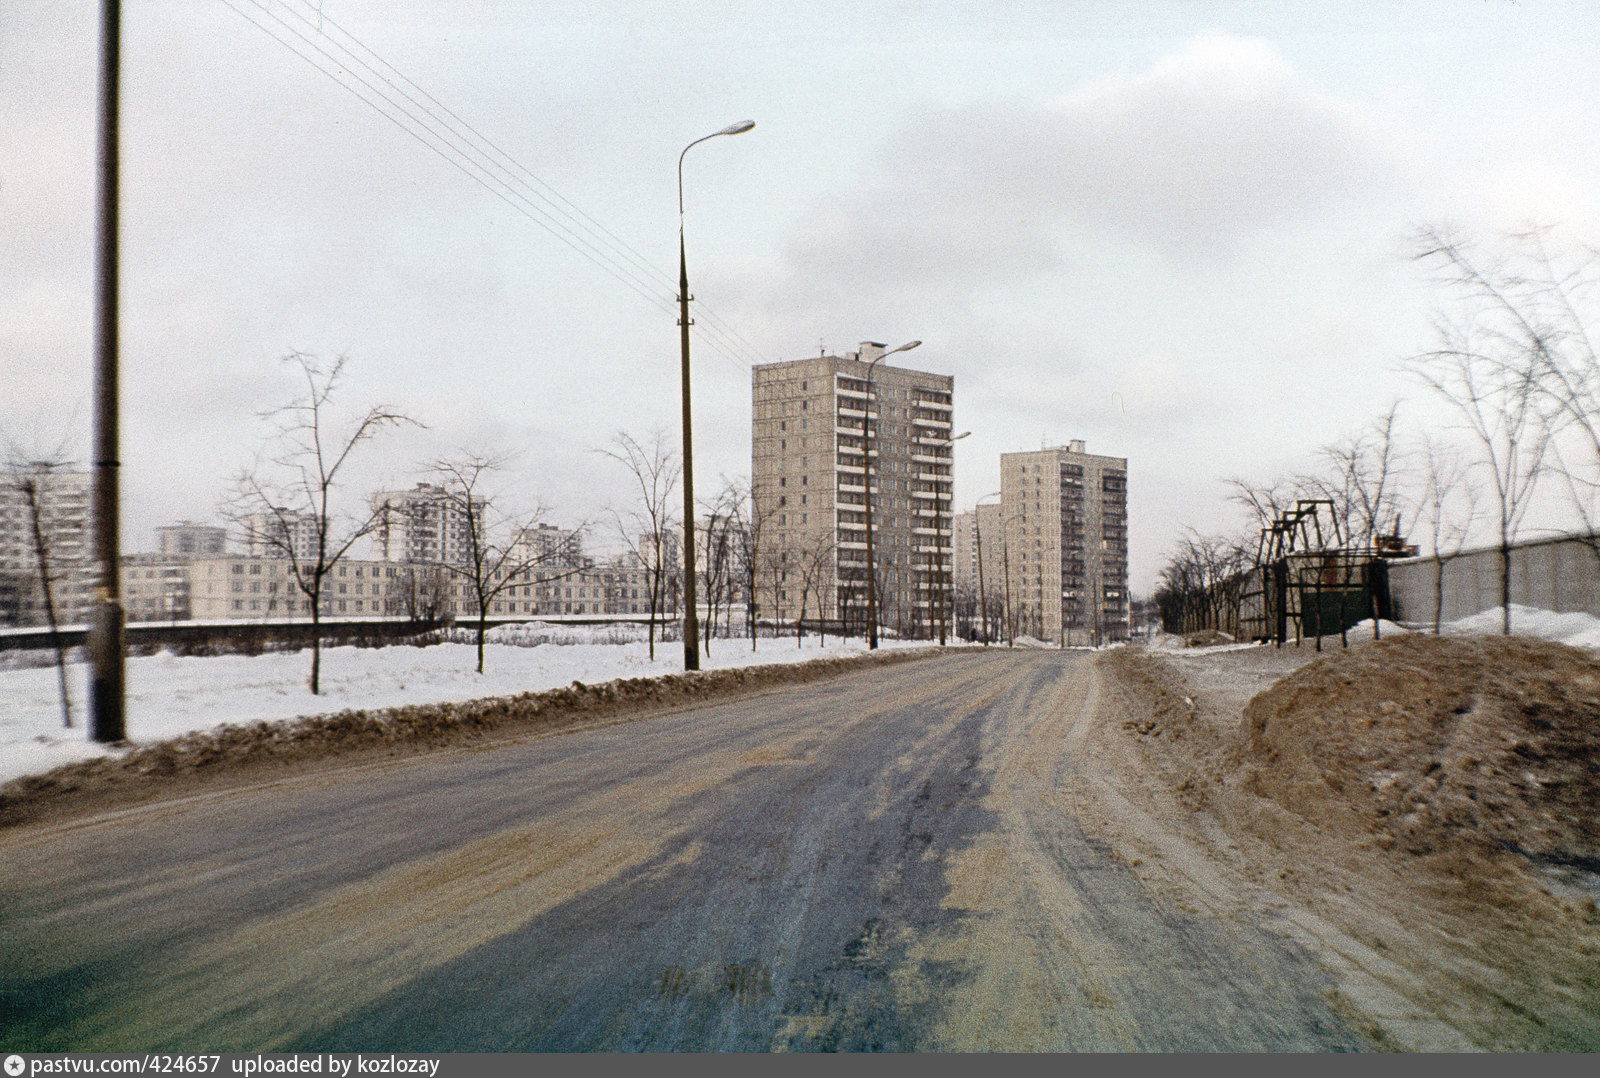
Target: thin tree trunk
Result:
[316, 644]
[1438, 592]
[42, 555]
[1505, 585]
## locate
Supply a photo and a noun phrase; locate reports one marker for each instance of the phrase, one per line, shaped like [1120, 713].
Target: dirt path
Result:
[1429, 952]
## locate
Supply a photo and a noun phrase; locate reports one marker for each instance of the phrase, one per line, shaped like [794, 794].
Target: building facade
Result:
[63, 501]
[280, 533]
[979, 534]
[189, 540]
[427, 523]
[1065, 544]
[155, 587]
[249, 588]
[819, 431]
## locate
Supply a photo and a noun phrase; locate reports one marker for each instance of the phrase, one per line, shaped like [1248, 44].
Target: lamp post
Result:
[983, 596]
[691, 616]
[107, 674]
[872, 568]
[941, 577]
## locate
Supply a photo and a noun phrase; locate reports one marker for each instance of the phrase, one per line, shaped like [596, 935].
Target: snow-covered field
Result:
[169, 695]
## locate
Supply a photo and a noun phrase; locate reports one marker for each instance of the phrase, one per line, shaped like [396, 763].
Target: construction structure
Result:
[1309, 581]
[821, 430]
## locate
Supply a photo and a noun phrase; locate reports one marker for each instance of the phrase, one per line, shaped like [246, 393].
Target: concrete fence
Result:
[1561, 574]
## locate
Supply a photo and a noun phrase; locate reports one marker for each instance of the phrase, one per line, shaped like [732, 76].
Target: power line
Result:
[382, 87]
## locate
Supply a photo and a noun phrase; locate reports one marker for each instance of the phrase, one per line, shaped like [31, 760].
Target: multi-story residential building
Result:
[275, 533]
[241, 586]
[190, 540]
[818, 428]
[1065, 528]
[63, 500]
[425, 524]
[979, 532]
[619, 586]
[155, 587]
[546, 544]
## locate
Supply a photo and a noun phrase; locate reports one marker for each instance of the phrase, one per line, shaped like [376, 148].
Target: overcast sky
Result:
[1175, 230]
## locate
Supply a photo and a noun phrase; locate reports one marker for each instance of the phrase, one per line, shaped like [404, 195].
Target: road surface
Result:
[889, 860]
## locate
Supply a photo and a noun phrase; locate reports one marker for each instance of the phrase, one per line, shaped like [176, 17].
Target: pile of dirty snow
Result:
[1440, 744]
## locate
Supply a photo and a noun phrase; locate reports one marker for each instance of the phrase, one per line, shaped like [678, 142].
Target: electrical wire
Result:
[383, 88]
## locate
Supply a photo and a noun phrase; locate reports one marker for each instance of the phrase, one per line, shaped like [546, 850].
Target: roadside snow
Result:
[169, 695]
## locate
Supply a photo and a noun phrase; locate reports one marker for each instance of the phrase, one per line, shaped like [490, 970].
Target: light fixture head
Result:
[737, 129]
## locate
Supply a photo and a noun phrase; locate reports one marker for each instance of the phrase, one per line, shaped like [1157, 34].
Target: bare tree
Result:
[498, 552]
[646, 528]
[285, 506]
[1539, 304]
[715, 558]
[815, 560]
[32, 479]
[1447, 507]
[1362, 480]
[1202, 584]
[749, 524]
[1265, 502]
[1492, 365]
[423, 595]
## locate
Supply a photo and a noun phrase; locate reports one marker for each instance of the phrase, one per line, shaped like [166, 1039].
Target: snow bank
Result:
[170, 695]
[1576, 629]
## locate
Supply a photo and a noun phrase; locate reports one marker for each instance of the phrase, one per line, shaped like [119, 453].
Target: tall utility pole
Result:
[107, 716]
[867, 432]
[691, 615]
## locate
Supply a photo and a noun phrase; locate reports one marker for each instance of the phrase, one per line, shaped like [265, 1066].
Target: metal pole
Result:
[1005, 557]
[691, 616]
[983, 598]
[866, 465]
[107, 718]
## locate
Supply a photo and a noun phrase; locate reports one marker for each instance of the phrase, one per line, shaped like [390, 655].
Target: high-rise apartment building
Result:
[189, 540]
[279, 532]
[546, 544]
[62, 500]
[1065, 546]
[817, 428]
[979, 534]
[425, 524]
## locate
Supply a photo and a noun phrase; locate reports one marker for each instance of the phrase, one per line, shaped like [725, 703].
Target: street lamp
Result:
[872, 568]
[691, 617]
[983, 596]
[941, 577]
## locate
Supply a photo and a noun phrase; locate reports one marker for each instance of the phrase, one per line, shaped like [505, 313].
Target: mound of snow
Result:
[1575, 629]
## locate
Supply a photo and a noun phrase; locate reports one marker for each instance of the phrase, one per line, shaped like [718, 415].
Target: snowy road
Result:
[888, 860]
